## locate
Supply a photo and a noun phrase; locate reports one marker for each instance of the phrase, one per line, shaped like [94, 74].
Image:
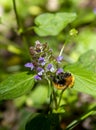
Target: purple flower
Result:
[40, 71]
[59, 59]
[60, 70]
[41, 60]
[37, 77]
[29, 65]
[50, 67]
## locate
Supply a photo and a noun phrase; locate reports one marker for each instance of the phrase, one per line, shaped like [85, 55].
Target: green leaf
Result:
[83, 71]
[52, 24]
[85, 81]
[85, 41]
[43, 122]
[16, 85]
[88, 60]
[38, 96]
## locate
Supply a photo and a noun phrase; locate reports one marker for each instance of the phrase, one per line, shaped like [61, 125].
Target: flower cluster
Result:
[43, 61]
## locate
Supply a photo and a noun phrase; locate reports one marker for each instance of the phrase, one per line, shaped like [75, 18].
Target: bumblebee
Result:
[63, 80]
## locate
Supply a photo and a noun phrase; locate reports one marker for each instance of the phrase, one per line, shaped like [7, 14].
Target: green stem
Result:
[61, 96]
[16, 14]
[49, 95]
[29, 29]
[55, 100]
[53, 95]
[21, 29]
[74, 123]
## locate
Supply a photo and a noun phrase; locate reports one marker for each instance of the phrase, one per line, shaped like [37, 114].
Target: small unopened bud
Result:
[73, 32]
[38, 46]
[32, 51]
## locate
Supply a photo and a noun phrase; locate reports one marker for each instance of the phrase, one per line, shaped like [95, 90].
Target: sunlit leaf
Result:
[85, 41]
[52, 24]
[83, 71]
[16, 85]
[88, 60]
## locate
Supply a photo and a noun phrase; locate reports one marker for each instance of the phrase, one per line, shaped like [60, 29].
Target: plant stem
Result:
[53, 95]
[21, 29]
[74, 123]
[62, 50]
[61, 96]
[49, 95]
[16, 14]
[55, 100]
